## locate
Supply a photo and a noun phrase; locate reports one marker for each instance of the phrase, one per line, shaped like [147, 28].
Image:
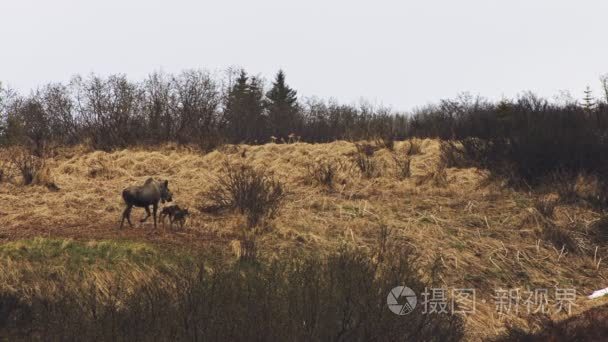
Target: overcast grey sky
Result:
[398, 53]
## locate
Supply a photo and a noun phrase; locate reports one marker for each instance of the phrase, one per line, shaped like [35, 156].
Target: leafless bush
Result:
[453, 155]
[341, 296]
[413, 147]
[3, 170]
[386, 141]
[28, 165]
[600, 229]
[253, 193]
[546, 205]
[560, 237]
[364, 160]
[323, 173]
[402, 165]
[564, 183]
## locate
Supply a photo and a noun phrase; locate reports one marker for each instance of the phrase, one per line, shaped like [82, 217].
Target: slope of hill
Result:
[475, 232]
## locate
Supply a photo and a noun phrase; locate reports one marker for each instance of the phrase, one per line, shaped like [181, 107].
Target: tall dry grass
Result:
[487, 234]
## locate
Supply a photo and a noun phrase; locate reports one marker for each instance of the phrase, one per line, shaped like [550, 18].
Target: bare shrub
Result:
[323, 173]
[453, 155]
[253, 193]
[564, 183]
[402, 165]
[413, 147]
[600, 229]
[386, 141]
[560, 237]
[364, 160]
[341, 296]
[26, 163]
[546, 205]
[3, 170]
[383, 243]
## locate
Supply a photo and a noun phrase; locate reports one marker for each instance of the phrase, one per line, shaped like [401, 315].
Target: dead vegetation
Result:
[413, 147]
[365, 162]
[489, 235]
[323, 173]
[154, 295]
[31, 169]
[437, 176]
[253, 193]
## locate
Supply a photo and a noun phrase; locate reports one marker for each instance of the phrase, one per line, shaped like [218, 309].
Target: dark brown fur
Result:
[144, 196]
[176, 214]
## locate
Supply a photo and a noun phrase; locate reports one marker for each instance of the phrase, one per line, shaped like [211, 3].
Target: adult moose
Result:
[144, 196]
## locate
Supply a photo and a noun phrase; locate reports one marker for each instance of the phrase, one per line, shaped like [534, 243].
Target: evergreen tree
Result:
[588, 100]
[282, 105]
[244, 111]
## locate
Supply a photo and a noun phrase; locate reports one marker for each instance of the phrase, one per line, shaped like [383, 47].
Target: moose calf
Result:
[176, 214]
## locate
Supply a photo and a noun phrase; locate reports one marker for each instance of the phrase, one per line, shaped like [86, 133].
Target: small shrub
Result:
[600, 229]
[413, 147]
[364, 160]
[560, 237]
[564, 183]
[252, 193]
[27, 164]
[453, 155]
[546, 205]
[402, 166]
[323, 173]
[301, 298]
[386, 141]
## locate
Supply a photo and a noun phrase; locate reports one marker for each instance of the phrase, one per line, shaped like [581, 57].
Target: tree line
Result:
[525, 138]
[192, 107]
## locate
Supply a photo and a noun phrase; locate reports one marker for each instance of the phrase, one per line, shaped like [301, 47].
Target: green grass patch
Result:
[69, 252]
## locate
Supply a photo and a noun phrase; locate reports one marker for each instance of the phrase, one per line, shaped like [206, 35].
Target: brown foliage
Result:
[253, 193]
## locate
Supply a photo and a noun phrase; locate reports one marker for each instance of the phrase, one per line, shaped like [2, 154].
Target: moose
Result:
[144, 196]
[175, 214]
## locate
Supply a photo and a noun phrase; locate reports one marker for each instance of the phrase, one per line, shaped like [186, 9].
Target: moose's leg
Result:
[147, 214]
[154, 209]
[126, 214]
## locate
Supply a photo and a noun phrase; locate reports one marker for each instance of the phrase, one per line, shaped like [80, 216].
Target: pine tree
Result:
[588, 101]
[282, 105]
[244, 110]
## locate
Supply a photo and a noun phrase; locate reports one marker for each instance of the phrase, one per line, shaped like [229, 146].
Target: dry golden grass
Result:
[484, 236]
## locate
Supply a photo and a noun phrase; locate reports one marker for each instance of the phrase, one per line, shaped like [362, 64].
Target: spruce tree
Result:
[282, 105]
[244, 110]
[588, 100]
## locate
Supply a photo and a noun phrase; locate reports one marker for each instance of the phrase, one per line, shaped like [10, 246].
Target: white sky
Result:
[398, 53]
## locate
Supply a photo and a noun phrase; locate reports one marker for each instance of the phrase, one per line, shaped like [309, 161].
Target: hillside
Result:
[481, 234]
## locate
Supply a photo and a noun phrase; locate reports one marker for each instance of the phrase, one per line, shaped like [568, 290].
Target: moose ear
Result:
[166, 183]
